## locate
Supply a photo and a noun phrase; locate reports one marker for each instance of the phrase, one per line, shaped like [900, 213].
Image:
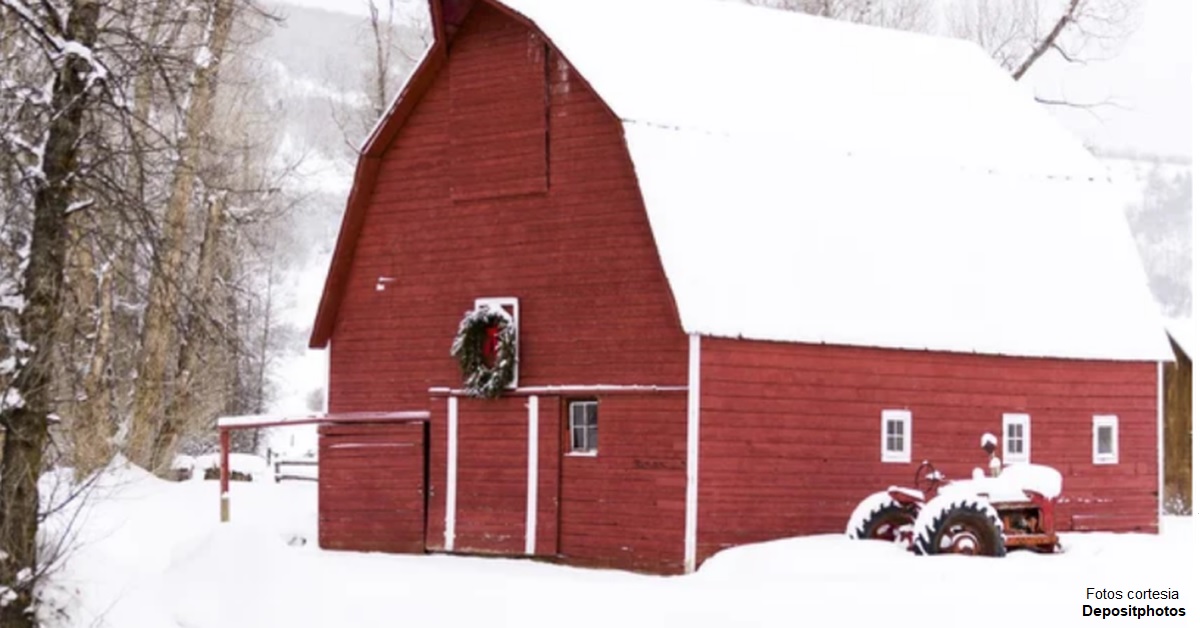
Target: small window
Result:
[1104, 439]
[582, 424]
[896, 436]
[1016, 438]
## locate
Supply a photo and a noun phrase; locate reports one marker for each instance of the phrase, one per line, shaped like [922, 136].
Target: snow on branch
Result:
[79, 206]
[59, 47]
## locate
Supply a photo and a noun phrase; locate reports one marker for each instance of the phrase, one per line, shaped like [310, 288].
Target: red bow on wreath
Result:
[491, 345]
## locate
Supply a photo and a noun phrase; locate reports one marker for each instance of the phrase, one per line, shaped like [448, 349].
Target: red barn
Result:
[720, 272]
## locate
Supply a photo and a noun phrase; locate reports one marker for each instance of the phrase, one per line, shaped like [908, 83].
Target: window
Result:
[896, 436]
[1016, 438]
[1104, 439]
[582, 425]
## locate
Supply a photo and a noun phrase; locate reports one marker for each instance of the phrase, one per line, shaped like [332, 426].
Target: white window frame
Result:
[573, 450]
[905, 453]
[1026, 438]
[1106, 420]
[512, 307]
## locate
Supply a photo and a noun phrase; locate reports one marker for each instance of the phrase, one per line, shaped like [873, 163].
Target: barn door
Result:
[371, 494]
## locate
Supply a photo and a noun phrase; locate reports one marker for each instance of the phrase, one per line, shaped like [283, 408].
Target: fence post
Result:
[224, 475]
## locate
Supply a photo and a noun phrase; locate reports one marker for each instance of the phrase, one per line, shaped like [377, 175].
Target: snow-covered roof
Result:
[817, 181]
[836, 87]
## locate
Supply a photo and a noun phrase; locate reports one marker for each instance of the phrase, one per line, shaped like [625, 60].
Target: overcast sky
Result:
[1150, 78]
[1149, 81]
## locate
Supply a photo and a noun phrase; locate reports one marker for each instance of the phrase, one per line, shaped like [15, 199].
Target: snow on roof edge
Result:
[926, 348]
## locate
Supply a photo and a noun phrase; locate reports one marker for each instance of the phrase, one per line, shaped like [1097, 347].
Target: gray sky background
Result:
[1149, 80]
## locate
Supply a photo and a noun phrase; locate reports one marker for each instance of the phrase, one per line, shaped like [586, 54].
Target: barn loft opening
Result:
[497, 119]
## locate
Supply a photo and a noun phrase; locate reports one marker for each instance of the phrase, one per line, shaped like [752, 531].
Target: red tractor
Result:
[986, 515]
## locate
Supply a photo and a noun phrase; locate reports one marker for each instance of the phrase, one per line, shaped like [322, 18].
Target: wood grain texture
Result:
[790, 436]
[578, 253]
[371, 493]
[1177, 431]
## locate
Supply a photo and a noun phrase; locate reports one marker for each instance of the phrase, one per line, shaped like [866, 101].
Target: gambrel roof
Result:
[809, 180]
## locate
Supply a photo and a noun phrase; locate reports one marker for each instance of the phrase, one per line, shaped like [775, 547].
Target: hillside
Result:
[1158, 204]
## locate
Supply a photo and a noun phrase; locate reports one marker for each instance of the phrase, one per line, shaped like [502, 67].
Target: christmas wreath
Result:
[485, 347]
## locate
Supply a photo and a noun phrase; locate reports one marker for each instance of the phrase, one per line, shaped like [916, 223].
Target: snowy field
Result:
[151, 554]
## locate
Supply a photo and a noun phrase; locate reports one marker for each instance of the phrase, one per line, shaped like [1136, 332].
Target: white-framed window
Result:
[895, 438]
[1016, 438]
[582, 423]
[1105, 439]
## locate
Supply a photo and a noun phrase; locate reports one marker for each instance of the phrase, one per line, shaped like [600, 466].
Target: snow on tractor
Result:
[1010, 506]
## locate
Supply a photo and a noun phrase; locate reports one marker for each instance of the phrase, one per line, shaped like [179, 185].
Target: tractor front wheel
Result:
[879, 517]
[958, 524]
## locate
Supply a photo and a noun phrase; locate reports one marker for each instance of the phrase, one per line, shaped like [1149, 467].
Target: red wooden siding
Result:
[790, 434]
[495, 523]
[549, 475]
[371, 495]
[492, 475]
[595, 304]
[624, 507]
[435, 521]
[498, 119]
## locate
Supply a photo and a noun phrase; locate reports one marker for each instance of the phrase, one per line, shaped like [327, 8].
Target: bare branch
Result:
[1068, 16]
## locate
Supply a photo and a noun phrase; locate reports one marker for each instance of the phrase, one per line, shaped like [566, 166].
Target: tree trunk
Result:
[26, 424]
[121, 308]
[88, 347]
[186, 405]
[159, 333]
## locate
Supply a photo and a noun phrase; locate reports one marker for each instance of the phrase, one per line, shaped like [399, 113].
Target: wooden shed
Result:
[672, 276]
[1177, 420]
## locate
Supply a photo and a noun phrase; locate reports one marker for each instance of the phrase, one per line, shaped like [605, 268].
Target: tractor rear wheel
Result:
[879, 517]
[959, 524]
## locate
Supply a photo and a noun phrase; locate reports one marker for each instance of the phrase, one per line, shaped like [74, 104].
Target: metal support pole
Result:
[224, 475]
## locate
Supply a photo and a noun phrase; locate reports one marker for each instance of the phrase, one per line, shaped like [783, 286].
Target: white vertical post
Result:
[451, 469]
[693, 454]
[531, 488]
[328, 376]
[1162, 484]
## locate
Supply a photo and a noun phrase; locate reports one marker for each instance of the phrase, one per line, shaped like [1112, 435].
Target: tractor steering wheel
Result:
[928, 478]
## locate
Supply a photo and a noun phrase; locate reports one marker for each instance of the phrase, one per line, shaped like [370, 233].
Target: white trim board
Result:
[451, 470]
[693, 454]
[567, 389]
[531, 486]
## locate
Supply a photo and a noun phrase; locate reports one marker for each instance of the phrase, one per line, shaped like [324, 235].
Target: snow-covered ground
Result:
[151, 554]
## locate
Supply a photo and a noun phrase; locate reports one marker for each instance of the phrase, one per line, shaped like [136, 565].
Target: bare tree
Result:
[394, 45]
[1018, 34]
[66, 41]
[153, 432]
[115, 130]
